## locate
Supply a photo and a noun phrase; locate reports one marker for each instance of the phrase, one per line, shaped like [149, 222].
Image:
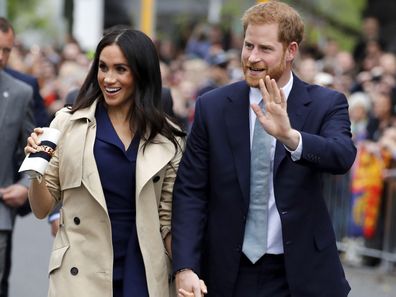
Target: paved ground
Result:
[32, 245]
[371, 282]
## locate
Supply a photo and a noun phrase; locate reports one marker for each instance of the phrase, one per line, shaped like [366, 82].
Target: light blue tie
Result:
[255, 240]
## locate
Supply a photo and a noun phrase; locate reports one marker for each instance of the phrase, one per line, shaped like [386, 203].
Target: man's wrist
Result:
[292, 140]
[183, 269]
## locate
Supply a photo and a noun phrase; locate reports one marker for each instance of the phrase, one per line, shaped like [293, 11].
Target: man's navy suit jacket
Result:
[211, 192]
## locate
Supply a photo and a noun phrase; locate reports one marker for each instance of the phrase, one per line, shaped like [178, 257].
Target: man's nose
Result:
[254, 56]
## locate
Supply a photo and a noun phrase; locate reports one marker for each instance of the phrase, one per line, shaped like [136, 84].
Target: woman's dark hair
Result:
[146, 114]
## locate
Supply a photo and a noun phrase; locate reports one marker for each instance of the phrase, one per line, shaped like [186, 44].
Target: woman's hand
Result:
[189, 285]
[184, 293]
[33, 141]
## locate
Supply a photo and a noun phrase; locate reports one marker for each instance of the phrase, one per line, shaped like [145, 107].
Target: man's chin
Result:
[253, 83]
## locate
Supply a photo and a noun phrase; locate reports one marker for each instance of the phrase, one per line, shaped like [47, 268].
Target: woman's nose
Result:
[109, 77]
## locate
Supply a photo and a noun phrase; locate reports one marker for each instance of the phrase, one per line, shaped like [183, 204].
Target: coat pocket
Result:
[56, 258]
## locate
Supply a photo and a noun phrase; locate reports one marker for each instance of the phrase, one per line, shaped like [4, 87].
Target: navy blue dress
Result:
[117, 171]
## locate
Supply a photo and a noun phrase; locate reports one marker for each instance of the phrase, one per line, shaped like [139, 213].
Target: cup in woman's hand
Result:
[36, 163]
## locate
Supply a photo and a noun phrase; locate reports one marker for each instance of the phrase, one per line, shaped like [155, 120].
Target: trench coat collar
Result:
[150, 159]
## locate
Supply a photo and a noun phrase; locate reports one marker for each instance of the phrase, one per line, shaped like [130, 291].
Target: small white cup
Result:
[35, 164]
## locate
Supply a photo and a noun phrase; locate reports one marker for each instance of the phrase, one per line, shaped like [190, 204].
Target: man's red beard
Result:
[274, 73]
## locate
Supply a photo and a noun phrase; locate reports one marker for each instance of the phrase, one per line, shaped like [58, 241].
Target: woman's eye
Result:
[121, 69]
[102, 67]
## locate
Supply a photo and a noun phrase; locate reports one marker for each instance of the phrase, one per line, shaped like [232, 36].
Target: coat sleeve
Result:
[27, 127]
[52, 171]
[190, 198]
[331, 149]
[165, 205]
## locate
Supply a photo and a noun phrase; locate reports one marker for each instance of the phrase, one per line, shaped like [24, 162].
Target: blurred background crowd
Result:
[349, 46]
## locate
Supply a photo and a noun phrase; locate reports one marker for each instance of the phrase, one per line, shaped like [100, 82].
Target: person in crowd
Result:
[16, 123]
[359, 111]
[113, 171]
[248, 214]
[217, 73]
[41, 119]
[370, 32]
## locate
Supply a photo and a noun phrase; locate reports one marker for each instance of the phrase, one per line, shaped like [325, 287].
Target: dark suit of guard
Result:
[211, 193]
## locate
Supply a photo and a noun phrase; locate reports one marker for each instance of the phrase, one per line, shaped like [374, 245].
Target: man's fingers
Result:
[184, 293]
[257, 110]
[270, 87]
[204, 289]
[264, 92]
[197, 292]
[275, 91]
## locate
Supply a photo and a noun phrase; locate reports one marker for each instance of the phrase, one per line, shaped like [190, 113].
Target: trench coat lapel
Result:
[151, 159]
[82, 147]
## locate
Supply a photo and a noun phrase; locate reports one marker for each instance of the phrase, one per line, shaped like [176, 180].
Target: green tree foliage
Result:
[339, 20]
[28, 14]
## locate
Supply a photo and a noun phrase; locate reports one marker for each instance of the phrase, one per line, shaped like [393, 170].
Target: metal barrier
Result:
[338, 198]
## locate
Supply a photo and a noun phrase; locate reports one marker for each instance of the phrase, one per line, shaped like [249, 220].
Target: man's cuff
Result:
[24, 181]
[296, 154]
[53, 217]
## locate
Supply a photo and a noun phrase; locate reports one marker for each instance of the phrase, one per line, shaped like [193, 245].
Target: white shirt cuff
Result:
[296, 154]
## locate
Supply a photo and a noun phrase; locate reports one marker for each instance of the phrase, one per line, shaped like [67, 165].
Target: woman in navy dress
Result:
[136, 150]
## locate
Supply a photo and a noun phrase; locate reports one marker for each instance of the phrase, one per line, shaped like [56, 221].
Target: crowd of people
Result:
[165, 140]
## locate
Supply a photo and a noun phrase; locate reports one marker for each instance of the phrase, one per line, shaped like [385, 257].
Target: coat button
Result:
[284, 212]
[156, 178]
[288, 242]
[74, 270]
[76, 220]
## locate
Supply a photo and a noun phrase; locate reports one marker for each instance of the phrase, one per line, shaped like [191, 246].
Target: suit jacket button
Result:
[74, 270]
[76, 220]
[238, 248]
[288, 242]
[156, 178]
[284, 212]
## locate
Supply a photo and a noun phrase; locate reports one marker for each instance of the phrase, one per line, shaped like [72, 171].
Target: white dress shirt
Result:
[274, 234]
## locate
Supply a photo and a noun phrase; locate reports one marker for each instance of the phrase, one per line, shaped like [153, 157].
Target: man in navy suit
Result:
[309, 129]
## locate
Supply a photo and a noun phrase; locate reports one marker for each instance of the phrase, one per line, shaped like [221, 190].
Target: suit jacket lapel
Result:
[4, 98]
[236, 115]
[297, 109]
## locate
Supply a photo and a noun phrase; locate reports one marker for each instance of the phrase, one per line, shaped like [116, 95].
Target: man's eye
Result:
[5, 50]
[248, 46]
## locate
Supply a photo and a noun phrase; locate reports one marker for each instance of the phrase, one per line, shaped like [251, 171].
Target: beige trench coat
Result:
[81, 261]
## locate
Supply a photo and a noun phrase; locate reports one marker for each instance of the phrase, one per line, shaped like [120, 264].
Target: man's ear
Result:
[291, 51]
